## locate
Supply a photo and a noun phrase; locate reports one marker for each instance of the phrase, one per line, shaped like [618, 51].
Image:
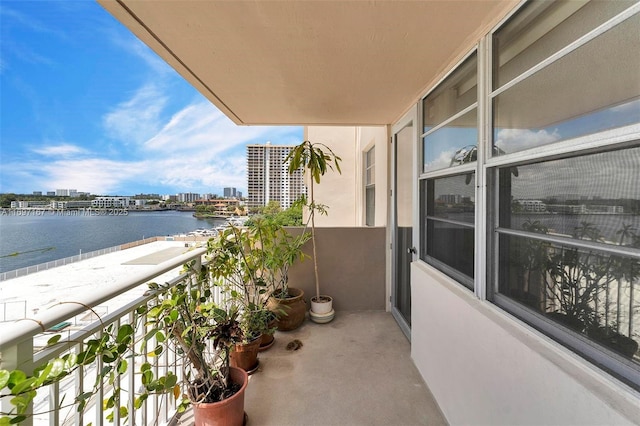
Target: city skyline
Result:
[85, 104]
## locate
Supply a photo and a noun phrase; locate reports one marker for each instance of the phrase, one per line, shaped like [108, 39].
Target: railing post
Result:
[20, 357]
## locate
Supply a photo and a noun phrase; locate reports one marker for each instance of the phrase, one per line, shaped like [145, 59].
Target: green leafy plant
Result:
[315, 159]
[181, 318]
[250, 264]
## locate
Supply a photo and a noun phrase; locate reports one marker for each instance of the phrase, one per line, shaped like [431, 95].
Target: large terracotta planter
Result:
[290, 311]
[228, 412]
[245, 355]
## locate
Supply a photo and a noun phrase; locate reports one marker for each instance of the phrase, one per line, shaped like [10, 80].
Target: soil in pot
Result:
[290, 311]
[229, 411]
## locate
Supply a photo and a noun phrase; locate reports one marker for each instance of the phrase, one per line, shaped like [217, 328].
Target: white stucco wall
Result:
[344, 193]
[486, 368]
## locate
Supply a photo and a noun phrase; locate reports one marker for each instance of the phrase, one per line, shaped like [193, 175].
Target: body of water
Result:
[27, 240]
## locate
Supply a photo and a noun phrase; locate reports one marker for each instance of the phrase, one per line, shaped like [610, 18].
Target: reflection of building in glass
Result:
[450, 198]
[533, 205]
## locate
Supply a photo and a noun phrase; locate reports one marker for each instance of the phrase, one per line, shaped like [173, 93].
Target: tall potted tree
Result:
[315, 159]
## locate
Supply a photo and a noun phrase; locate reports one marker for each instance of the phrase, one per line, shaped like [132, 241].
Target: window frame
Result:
[600, 141]
[486, 168]
[369, 154]
[472, 167]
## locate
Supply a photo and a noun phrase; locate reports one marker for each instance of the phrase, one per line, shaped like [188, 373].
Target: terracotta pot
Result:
[245, 355]
[229, 412]
[290, 311]
[268, 338]
[267, 341]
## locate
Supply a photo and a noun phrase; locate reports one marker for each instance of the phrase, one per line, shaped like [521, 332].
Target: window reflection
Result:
[452, 145]
[594, 197]
[578, 95]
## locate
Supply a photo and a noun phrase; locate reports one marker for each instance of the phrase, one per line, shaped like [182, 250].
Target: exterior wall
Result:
[351, 268]
[484, 367]
[344, 193]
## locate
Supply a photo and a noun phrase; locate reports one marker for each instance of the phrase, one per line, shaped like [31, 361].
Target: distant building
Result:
[110, 202]
[38, 193]
[62, 192]
[268, 178]
[230, 193]
[533, 205]
[51, 193]
[188, 197]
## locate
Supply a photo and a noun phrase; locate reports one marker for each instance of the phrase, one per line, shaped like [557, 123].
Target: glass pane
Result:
[451, 244]
[453, 198]
[455, 93]
[370, 202]
[592, 89]
[594, 197]
[452, 145]
[542, 28]
[587, 291]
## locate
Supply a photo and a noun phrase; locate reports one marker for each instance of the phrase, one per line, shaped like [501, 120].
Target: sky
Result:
[85, 105]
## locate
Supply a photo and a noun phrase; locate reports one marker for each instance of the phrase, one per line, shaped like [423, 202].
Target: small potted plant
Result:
[316, 159]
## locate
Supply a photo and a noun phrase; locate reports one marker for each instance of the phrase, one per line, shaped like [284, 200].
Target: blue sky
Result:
[85, 105]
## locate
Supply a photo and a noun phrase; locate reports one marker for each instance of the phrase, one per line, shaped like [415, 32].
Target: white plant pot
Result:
[322, 308]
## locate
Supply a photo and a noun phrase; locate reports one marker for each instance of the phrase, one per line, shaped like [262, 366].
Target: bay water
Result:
[31, 239]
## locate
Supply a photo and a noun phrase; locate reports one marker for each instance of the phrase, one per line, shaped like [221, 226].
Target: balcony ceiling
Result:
[310, 62]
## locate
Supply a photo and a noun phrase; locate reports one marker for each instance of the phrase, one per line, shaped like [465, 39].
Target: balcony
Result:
[357, 369]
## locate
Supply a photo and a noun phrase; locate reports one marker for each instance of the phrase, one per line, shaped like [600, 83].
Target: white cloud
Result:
[137, 119]
[62, 150]
[442, 162]
[513, 140]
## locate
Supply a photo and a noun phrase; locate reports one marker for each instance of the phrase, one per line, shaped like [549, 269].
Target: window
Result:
[370, 187]
[566, 233]
[447, 196]
[448, 211]
[557, 172]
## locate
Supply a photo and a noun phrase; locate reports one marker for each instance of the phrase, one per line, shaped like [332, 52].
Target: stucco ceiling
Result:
[310, 62]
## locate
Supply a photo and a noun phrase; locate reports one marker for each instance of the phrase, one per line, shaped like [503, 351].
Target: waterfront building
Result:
[111, 202]
[187, 197]
[30, 204]
[268, 178]
[62, 192]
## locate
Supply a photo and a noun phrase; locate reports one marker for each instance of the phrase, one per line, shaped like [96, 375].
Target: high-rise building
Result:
[268, 178]
[230, 193]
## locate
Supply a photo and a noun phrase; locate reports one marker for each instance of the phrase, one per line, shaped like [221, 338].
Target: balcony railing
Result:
[20, 345]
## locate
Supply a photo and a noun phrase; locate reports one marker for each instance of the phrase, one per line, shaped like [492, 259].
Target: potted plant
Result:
[180, 318]
[285, 301]
[316, 159]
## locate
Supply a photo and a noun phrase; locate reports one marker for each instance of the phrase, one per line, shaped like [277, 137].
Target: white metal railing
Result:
[18, 341]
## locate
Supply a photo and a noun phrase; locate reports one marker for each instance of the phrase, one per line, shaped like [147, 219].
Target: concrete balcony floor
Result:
[356, 370]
